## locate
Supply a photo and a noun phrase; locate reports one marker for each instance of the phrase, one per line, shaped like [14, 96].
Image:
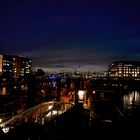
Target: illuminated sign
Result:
[82, 95]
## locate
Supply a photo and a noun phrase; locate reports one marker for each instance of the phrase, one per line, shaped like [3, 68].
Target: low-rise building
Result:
[124, 69]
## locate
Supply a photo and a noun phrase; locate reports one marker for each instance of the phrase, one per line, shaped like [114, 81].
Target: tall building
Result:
[15, 65]
[124, 69]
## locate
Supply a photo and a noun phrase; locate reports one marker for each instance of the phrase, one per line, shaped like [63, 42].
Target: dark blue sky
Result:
[66, 34]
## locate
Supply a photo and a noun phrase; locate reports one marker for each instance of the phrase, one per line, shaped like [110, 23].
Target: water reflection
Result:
[131, 102]
[132, 98]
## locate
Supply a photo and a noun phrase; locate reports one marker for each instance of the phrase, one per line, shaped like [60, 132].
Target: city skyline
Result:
[68, 35]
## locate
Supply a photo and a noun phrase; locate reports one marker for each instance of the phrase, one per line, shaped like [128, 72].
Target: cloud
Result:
[66, 56]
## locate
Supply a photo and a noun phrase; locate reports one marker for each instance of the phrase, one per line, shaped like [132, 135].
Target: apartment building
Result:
[124, 69]
[15, 65]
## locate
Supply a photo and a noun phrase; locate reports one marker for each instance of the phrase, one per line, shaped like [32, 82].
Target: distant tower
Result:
[79, 69]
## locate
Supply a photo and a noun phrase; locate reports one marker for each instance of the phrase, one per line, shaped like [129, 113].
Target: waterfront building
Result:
[124, 69]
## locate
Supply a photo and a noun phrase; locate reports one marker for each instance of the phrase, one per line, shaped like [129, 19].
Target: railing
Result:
[40, 113]
[6, 116]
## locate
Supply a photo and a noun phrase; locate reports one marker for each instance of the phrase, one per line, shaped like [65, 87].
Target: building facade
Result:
[124, 69]
[15, 65]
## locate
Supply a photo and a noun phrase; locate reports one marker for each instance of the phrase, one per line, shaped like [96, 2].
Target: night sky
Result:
[69, 34]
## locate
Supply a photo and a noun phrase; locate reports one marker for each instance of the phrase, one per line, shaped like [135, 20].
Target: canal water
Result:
[123, 111]
[131, 104]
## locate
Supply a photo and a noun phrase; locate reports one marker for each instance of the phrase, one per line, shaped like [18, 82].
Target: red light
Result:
[94, 92]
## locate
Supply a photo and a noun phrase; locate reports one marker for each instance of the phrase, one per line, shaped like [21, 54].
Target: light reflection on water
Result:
[131, 102]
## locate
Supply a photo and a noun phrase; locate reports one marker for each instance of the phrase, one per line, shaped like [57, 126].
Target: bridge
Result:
[40, 113]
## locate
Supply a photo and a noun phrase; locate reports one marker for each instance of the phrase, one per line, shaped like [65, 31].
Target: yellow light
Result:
[50, 107]
[81, 95]
[4, 91]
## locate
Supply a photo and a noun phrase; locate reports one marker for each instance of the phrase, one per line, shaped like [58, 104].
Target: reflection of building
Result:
[124, 69]
[15, 65]
[1, 59]
[131, 99]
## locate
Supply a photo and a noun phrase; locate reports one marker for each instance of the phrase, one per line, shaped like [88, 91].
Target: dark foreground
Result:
[76, 125]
